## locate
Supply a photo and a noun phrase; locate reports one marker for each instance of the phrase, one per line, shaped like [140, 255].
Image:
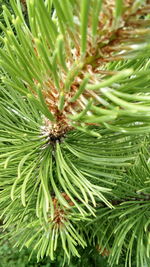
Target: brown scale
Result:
[59, 213]
[61, 124]
[103, 252]
[111, 37]
[24, 4]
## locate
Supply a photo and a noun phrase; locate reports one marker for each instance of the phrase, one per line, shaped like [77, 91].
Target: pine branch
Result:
[74, 125]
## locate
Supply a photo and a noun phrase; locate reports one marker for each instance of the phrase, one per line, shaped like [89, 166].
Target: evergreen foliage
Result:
[74, 128]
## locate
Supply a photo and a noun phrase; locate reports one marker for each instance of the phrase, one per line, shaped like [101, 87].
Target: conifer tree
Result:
[74, 128]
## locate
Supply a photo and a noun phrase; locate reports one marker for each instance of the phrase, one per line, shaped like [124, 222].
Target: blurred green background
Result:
[10, 256]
